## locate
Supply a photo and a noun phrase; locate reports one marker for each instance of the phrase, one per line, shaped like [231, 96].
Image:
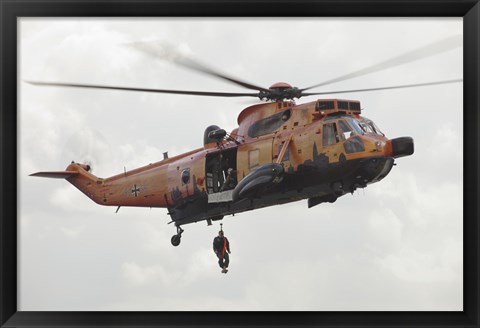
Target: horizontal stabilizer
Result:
[55, 174]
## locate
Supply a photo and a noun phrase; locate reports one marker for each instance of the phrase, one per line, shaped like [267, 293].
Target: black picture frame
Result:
[10, 10]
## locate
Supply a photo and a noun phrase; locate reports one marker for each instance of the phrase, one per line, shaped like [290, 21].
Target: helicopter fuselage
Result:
[281, 152]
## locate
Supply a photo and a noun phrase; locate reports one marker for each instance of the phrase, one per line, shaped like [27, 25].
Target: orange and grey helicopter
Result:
[281, 152]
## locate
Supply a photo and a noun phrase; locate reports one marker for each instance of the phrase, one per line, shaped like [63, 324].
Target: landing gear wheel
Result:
[176, 240]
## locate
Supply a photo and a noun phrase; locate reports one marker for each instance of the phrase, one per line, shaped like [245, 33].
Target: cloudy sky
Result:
[396, 245]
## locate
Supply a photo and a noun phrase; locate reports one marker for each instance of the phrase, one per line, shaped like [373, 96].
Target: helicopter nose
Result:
[401, 146]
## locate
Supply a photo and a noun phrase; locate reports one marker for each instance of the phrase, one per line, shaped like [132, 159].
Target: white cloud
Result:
[138, 275]
[69, 198]
[446, 147]
[426, 267]
[72, 232]
[386, 227]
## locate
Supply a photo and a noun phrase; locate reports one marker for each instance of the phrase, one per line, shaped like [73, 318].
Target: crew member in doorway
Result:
[221, 247]
[230, 181]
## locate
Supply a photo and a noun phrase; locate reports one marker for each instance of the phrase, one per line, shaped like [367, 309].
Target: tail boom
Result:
[128, 190]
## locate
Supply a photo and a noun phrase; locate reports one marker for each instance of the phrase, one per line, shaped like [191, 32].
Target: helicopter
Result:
[281, 151]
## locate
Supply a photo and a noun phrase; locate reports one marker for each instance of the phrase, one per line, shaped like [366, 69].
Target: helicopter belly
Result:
[350, 174]
[318, 184]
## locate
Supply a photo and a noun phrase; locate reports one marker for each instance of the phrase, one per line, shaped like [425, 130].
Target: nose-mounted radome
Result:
[400, 147]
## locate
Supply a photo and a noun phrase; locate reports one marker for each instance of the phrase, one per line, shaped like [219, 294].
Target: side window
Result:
[330, 134]
[269, 124]
[185, 176]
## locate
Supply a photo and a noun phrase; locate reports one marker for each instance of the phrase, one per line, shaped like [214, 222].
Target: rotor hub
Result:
[280, 91]
[280, 85]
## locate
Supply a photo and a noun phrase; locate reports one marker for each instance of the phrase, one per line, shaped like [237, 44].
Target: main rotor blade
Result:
[382, 88]
[167, 52]
[417, 54]
[181, 92]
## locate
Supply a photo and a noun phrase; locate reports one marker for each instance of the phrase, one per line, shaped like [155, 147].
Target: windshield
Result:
[374, 127]
[355, 125]
[364, 126]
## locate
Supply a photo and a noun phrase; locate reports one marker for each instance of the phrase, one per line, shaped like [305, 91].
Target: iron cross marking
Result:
[135, 190]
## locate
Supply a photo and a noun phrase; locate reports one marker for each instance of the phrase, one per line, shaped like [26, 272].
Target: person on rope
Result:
[221, 247]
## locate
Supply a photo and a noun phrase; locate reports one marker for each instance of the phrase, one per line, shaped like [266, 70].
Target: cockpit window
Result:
[347, 131]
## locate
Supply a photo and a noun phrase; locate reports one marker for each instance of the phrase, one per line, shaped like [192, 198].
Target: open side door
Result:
[221, 175]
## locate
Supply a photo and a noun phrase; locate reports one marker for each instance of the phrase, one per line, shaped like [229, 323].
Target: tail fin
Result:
[79, 176]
